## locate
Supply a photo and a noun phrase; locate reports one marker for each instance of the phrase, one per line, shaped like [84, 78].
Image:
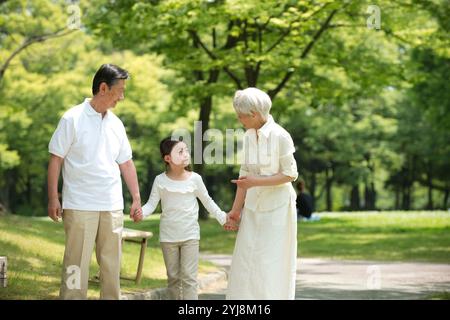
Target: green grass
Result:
[35, 247]
[439, 296]
[394, 236]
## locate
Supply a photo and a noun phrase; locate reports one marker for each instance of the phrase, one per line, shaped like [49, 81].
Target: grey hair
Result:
[252, 99]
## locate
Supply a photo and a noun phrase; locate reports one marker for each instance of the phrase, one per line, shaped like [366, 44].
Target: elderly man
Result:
[91, 146]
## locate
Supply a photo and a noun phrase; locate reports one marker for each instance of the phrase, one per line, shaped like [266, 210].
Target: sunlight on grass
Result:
[399, 236]
[35, 247]
[393, 235]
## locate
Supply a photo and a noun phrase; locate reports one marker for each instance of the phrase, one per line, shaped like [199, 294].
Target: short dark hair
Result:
[110, 74]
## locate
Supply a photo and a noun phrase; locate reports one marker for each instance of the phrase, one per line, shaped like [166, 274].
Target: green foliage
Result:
[368, 109]
[383, 236]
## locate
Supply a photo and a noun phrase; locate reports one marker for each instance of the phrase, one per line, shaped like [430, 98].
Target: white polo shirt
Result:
[92, 148]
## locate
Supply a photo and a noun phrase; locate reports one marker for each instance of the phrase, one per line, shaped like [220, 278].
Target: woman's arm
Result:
[259, 181]
[288, 169]
[238, 204]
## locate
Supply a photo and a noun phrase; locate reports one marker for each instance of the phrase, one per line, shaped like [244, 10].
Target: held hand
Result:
[136, 211]
[54, 209]
[234, 215]
[245, 182]
[231, 224]
[138, 216]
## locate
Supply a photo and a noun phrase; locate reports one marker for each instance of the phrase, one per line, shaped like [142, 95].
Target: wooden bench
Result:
[3, 269]
[141, 237]
[136, 236]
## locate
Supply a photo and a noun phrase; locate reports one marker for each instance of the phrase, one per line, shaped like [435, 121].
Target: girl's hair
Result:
[166, 146]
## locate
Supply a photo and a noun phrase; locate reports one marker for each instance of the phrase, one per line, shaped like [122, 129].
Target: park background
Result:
[367, 106]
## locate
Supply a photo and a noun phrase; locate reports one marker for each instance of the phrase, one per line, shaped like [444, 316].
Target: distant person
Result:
[305, 204]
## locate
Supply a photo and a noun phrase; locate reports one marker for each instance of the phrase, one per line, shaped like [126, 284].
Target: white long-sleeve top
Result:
[179, 217]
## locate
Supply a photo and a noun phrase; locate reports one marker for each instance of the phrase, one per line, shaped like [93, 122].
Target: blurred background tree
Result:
[368, 109]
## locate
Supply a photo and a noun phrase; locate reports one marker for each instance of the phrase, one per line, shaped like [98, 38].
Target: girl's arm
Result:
[153, 200]
[202, 193]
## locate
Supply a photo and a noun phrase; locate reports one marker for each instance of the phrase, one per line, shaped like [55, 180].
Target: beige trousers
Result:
[84, 229]
[181, 259]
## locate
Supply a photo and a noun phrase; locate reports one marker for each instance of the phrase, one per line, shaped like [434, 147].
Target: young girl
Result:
[178, 189]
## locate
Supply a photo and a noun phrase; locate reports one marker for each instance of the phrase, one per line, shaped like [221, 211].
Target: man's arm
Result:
[128, 171]
[54, 169]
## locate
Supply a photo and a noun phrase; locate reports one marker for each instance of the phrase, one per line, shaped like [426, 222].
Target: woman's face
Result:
[180, 155]
[251, 121]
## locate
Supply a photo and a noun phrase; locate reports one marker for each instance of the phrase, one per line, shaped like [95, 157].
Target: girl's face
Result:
[179, 156]
[251, 121]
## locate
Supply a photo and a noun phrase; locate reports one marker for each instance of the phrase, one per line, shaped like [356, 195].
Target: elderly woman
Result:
[264, 258]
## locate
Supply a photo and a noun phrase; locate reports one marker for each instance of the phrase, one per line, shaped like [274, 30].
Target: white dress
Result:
[264, 259]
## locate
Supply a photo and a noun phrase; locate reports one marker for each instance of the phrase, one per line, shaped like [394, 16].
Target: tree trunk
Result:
[354, 199]
[328, 183]
[29, 193]
[369, 196]
[397, 198]
[312, 188]
[369, 188]
[430, 188]
[406, 201]
[407, 177]
[205, 112]
[445, 202]
[13, 201]
[4, 193]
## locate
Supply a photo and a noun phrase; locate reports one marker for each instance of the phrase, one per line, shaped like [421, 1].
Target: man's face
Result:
[115, 93]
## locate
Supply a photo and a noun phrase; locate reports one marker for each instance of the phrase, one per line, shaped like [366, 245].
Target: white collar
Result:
[90, 109]
[266, 128]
